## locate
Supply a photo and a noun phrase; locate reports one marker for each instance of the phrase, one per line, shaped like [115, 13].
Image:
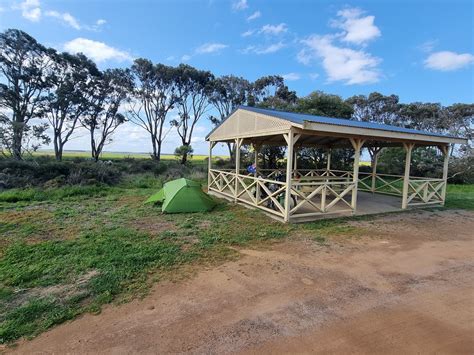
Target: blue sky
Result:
[419, 50]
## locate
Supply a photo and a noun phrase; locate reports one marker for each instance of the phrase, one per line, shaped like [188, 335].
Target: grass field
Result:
[70, 250]
[118, 155]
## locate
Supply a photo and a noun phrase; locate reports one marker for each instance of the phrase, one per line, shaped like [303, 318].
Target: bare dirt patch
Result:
[403, 285]
[152, 225]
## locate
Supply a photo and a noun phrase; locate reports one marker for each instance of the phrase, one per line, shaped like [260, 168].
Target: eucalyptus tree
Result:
[194, 91]
[154, 95]
[228, 93]
[264, 88]
[107, 92]
[66, 100]
[376, 108]
[25, 68]
[459, 122]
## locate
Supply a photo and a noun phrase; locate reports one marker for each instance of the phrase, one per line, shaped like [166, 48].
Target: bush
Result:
[461, 170]
[49, 173]
[426, 162]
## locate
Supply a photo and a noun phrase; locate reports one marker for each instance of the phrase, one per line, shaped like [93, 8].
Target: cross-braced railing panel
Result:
[381, 183]
[262, 193]
[222, 182]
[425, 191]
[324, 196]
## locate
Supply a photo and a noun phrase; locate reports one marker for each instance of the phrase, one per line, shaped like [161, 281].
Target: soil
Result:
[405, 284]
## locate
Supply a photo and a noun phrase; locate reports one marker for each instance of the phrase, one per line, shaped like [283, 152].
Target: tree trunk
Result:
[59, 154]
[184, 158]
[58, 148]
[16, 141]
[158, 151]
[231, 151]
[155, 155]
[94, 154]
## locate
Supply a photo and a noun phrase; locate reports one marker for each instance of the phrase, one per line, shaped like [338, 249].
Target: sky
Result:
[419, 50]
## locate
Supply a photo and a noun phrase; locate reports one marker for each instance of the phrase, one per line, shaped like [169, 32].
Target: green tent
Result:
[182, 195]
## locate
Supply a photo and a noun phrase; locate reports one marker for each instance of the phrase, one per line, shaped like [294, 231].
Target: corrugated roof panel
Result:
[300, 118]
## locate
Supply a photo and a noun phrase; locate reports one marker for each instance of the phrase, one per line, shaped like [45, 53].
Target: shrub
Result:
[48, 173]
[461, 170]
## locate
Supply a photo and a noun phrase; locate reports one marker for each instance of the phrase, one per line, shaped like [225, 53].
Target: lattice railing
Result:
[222, 181]
[316, 197]
[381, 183]
[318, 191]
[425, 191]
[265, 194]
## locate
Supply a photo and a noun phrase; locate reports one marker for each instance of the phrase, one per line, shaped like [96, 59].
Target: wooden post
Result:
[375, 158]
[209, 163]
[256, 148]
[357, 143]
[445, 150]
[406, 177]
[238, 143]
[289, 172]
[290, 139]
[328, 165]
[295, 161]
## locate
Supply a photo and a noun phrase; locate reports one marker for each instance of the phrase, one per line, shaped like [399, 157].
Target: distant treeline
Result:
[41, 88]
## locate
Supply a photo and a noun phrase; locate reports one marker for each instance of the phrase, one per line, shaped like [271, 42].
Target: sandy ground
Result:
[405, 285]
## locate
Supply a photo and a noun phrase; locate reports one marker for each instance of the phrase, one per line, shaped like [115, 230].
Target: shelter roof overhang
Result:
[263, 126]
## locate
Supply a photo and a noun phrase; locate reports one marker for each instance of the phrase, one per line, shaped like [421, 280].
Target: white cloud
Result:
[272, 48]
[274, 29]
[247, 33]
[210, 48]
[30, 9]
[291, 76]
[100, 22]
[358, 29]
[428, 46]
[65, 17]
[448, 61]
[239, 5]
[254, 16]
[185, 58]
[314, 76]
[98, 51]
[341, 64]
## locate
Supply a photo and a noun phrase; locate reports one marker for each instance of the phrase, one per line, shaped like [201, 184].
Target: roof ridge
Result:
[338, 121]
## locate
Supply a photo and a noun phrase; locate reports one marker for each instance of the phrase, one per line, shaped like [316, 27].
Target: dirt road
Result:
[405, 284]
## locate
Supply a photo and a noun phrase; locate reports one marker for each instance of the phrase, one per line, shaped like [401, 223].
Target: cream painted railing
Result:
[317, 191]
[326, 195]
[424, 191]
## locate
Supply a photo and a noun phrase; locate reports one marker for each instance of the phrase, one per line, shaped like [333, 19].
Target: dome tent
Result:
[182, 195]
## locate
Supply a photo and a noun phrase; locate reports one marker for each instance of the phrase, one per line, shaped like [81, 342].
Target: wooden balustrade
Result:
[317, 191]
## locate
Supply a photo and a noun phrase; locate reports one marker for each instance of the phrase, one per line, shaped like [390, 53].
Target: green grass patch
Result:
[95, 267]
[69, 250]
[460, 196]
[37, 194]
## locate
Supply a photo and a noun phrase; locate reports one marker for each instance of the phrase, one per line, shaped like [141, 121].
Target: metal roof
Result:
[301, 118]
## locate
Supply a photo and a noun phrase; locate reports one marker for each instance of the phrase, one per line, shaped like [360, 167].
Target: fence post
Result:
[406, 177]
[445, 150]
[238, 143]
[357, 143]
[256, 148]
[375, 158]
[328, 164]
[289, 172]
[209, 164]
